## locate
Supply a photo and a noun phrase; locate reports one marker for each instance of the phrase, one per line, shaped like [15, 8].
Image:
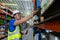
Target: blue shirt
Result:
[11, 25]
[38, 4]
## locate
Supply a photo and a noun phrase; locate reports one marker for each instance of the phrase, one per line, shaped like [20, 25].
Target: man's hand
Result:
[24, 32]
[35, 12]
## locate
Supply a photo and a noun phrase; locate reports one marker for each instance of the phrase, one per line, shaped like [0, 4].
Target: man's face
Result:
[17, 16]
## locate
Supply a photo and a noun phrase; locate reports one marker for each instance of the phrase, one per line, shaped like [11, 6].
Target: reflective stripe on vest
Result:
[15, 34]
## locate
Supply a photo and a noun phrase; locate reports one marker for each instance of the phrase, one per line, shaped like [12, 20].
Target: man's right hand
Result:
[35, 12]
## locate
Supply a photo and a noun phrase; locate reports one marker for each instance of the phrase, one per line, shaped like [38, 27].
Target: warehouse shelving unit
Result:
[51, 17]
[4, 20]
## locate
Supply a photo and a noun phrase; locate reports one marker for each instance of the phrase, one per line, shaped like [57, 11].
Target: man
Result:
[14, 32]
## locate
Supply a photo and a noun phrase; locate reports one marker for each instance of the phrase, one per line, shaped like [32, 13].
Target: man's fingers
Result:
[36, 11]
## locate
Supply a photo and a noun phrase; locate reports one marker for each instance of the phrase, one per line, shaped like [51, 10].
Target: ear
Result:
[14, 16]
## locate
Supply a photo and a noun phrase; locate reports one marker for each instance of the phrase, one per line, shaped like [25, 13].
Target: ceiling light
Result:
[9, 4]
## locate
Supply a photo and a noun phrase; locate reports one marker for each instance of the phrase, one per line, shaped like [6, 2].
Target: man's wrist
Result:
[33, 13]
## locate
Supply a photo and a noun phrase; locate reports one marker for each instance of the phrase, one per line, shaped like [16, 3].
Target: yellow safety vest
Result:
[15, 34]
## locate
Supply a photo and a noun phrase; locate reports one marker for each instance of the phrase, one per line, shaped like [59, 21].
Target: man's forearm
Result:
[27, 18]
